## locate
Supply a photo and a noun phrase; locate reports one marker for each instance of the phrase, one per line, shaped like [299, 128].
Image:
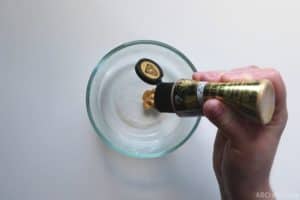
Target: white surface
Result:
[48, 149]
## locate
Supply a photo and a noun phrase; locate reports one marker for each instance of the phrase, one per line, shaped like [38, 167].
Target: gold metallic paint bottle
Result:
[254, 99]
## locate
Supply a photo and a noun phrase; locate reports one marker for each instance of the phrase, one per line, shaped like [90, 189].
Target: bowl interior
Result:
[114, 101]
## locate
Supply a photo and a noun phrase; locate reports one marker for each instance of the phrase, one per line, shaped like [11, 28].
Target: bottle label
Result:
[200, 92]
[187, 97]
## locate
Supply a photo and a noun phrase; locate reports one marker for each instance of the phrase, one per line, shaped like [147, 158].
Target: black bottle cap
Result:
[149, 71]
[162, 97]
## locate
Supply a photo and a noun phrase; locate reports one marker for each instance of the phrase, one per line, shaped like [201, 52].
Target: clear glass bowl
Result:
[114, 101]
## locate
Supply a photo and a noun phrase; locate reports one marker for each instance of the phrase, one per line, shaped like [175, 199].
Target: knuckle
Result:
[274, 73]
[224, 77]
[253, 67]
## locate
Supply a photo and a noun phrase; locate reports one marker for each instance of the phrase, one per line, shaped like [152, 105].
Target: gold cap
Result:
[266, 101]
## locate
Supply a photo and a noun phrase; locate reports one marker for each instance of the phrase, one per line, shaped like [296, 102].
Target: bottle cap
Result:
[149, 71]
[162, 97]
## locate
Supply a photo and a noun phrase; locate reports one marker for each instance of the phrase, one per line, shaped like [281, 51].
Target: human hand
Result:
[244, 150]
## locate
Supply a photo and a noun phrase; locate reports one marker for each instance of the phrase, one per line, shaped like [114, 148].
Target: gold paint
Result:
[148, 99]
[150, 70]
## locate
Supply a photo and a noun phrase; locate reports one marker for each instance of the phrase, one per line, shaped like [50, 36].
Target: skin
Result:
[244, 151]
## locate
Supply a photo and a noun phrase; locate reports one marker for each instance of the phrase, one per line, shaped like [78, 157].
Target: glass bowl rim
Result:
[88, 92]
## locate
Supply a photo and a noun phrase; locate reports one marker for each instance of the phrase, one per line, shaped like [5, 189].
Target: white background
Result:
[48, 149]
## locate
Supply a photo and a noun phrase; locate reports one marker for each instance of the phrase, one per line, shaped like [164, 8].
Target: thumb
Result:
[225, 119]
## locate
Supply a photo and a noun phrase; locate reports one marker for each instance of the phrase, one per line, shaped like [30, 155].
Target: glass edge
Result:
[91, 78]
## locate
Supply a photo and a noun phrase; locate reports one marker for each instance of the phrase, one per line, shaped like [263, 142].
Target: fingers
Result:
[280, 114]
[211, 76]
[217, 75]
[219, 145]
[258, 74]
[253, 73]
[275, 77]
[226, 120]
